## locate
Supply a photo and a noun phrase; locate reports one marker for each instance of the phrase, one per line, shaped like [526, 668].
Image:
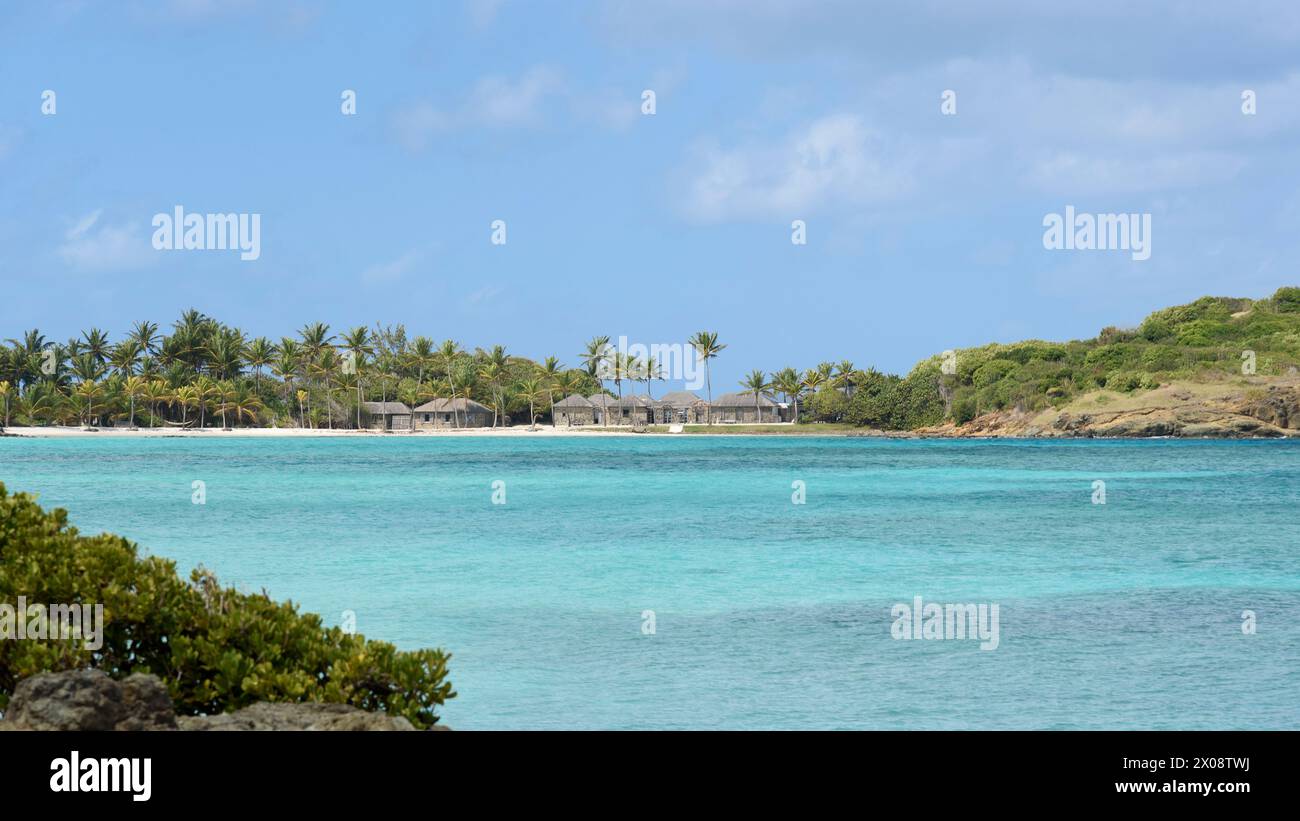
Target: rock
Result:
[1280, 408]
[307, 716]
[89, 700]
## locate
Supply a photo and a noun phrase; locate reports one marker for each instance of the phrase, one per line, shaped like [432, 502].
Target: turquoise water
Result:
[767, 613]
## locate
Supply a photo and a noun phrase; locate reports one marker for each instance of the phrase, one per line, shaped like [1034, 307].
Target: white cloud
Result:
[90, 246]
[482, 13]
[494, 102]
[832, 160]
[393, 270]
[501, 102]
[485, 294]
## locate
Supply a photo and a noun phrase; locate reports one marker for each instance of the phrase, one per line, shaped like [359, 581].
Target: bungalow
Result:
[452, 413]
[678, 407]
[387, 415]
[740, 407]
[573, 410]
[635, 410]
[604, 408]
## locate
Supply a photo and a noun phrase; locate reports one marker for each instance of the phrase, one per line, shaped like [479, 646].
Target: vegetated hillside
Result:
[1206, 341]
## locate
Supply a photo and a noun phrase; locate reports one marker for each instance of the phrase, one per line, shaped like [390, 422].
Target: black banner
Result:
[146, 772]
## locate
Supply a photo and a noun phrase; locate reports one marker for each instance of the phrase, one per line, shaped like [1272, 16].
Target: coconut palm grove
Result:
[205, 373]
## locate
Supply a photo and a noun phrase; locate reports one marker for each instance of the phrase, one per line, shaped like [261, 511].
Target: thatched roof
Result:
[603, 400]
[574, 401]
[679, 399]
[744, 399]
[459, 405]
[377, 408]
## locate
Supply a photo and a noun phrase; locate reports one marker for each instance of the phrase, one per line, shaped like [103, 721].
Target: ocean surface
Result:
[766, 613]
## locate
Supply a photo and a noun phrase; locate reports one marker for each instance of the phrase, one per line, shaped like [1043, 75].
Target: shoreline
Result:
[768, 429]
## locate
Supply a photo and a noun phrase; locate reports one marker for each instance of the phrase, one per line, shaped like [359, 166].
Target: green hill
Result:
[1210, 339]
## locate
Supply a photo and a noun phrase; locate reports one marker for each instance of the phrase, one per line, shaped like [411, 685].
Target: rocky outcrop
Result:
[266, 716]
[1228, 411]
[90, 700]
[1280, 408]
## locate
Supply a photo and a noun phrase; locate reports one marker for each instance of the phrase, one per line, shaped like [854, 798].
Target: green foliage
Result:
[889, 402]
[216, 649]
[1202, 339]
[827, 405]
[1287, 300]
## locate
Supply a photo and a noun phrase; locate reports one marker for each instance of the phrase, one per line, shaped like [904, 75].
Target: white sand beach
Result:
[68, 432]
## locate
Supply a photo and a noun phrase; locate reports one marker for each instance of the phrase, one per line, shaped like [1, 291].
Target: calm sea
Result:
[765, 613]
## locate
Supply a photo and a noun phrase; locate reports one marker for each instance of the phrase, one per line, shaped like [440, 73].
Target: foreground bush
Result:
[216, 649]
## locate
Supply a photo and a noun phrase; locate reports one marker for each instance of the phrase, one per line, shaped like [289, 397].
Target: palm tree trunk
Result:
[708, 381]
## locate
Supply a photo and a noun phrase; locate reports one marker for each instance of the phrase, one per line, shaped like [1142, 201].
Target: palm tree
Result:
[186, 397]
[566, 383]
[756, 382]
[286, 365]
[421, 355]
[96, 344]
[5, 391]
[550, 372]
[204, 390]
[846, 377]
[650, 370]
[260, 353]
[813, 379]
[707, 347]
[87, 368]
[493, 374]
[223, 389]
[325, 367]
[789, 383]
[302, 395]
[596, 354]
[87, 392]
[156, 392]
[448, 352]
[135, 386]
[620, 367]
[316, 337]
[145, 334]
[357, 341]
[125, 356]
[533, 389]
[242, 404]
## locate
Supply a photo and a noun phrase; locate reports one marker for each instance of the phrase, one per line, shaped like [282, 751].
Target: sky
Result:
[924, 229]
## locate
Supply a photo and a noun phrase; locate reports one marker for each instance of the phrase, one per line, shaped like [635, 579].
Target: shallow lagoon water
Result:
[1125, 615]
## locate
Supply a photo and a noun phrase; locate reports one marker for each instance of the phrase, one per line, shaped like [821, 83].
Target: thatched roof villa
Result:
[574, 410]
[741, 407]
[387, 415]
[451, 413]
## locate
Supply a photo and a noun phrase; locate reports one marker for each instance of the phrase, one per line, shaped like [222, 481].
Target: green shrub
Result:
[216, 649]
[1287, 300]
[828, 404]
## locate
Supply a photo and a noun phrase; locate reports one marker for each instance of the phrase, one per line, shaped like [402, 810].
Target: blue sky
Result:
[924, 230]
